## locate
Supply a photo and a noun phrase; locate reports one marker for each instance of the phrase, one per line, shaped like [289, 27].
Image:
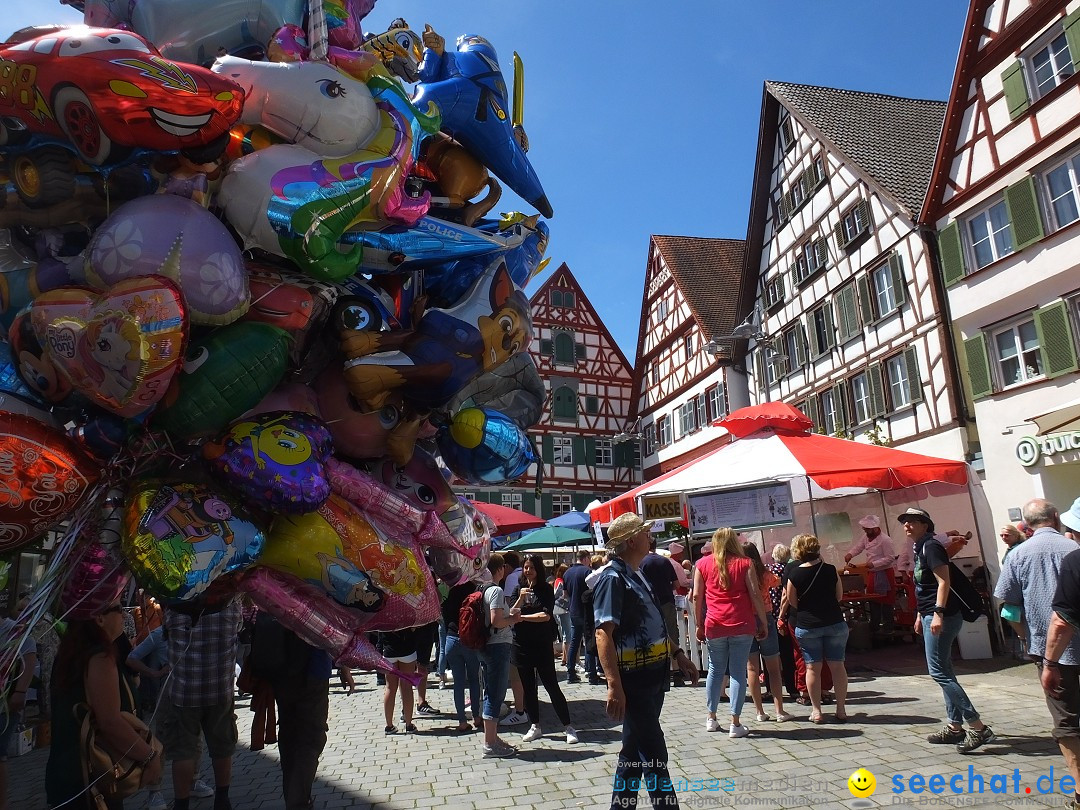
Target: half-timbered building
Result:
[588, 383]
[1005, 202]
[684, 377]
[848, 313]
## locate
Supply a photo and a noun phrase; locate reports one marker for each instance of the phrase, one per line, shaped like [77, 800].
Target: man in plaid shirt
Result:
[199, 700]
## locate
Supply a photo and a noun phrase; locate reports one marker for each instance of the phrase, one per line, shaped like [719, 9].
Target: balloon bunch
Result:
[253, 317]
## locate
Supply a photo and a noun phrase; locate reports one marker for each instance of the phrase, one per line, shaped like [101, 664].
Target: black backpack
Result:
[971, 601]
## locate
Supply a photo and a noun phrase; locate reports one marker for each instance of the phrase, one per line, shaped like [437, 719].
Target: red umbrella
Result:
[777, 415]
[507, 520]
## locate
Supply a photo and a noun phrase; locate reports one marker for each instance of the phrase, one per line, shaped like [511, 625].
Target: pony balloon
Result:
[277, 460]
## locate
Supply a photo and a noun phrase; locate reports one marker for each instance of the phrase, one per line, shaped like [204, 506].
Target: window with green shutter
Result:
[547, 348]
[877, 390]
[914, 378]
[866, 301]
[1072, 36]
[847, 312]
[1022, 203]
[840, 398]
[592, 405]
[812, 336]
[896, 267]
[951, 253]
[1015, 87]
[590, 451]
[564, 347]
[1056, 339]
[564, 404]
[580, 456]
[978, 366]
[545, 506]
[812, 409]
[547, 452]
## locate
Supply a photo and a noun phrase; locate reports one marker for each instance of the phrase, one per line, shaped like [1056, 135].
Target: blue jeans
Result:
[441, 669]
[939, 662]
[727, 654]
[565, 631]
[464, 664]
[495, 661]
[577, 637]
[643, 757]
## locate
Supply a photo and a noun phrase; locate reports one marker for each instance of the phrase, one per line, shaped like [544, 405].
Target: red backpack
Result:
[473, 622]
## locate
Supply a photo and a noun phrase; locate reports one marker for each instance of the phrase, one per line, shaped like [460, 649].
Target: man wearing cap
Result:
[939, 620]
[880, 559]
[635, 649]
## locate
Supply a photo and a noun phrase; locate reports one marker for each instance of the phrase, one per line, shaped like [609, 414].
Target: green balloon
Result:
[224, 375]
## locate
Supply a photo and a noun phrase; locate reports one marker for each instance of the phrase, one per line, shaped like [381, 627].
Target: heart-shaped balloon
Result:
[43, 477]
[120, 348]
[275, 459]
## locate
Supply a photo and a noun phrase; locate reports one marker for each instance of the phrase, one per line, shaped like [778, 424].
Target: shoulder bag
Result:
[110, 774]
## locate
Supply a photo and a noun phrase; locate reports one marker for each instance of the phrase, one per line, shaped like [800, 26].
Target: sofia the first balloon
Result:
[275, 459]
[180, 537]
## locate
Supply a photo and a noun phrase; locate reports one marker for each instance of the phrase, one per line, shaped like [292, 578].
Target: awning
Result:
[1059, 420]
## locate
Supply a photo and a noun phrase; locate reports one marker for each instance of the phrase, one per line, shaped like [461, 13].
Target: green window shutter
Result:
[528, 502]
[1056, 339]
[813, 411]
[547, 443]
[951, 252]
[847, 312]
[877, 391]
[620, 456]
[978, 366]
[590, 451]
[840, 397]
[830, 325]
[564, 347]
[896, 269]
[1016, 94]
[1072, 36]
[580, 499]
[1022, 203]
[915, 384]
[863, 207]
[547, 348]
[811, 335]
[838, 234]
[579, 452]
[545, 506]
[808, 180]
[801, 347]
[564, 403]
[821, 249]
[780, 287]
[579, 351]
[866, 302]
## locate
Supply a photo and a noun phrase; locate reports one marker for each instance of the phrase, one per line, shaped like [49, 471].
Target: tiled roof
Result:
[709, 273]
[893, 139]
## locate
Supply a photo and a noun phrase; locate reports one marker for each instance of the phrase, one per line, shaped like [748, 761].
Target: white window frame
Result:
[664, 430]
[774, 292]
[825, 341]
[561, 503]
[884, 291]
[830, 412]
[896, 374]
[512, 500]
[562, 449]
[1071, 165]
[654, 372]
[997, 251]
[688, 346]
[860, 398]
[998, 361]
[786, 129]
[717, 403]
[853, 224]
[650, 439]
[1060, 62]
[604, 454]
[687, 418]
[661, 310]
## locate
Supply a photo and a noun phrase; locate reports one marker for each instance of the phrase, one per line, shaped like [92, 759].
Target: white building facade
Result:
[1005, 201]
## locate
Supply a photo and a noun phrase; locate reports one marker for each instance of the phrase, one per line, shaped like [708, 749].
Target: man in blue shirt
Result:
[635, 649]
[574, 583]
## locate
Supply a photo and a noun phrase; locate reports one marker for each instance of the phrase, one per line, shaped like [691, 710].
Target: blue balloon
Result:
[468, 88]
[482, 446]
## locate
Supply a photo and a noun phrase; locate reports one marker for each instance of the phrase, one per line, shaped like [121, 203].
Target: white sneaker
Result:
[571, 735]
[201, 790]
[534, 733]
[738, 731]
[763, 718]
[712, 724]
[784, 717]
[514, 719]
[157, 801]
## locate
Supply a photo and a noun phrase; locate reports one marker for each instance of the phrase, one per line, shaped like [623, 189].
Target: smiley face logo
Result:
[862, 784]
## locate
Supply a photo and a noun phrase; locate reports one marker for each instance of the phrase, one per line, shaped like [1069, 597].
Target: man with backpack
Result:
[574, 583]
[939, 620]
[484, 624]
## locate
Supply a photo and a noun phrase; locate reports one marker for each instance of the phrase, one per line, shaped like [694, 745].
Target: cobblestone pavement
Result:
[893, 701]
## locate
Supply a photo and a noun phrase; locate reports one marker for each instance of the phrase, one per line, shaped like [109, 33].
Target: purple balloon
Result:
[171, 236]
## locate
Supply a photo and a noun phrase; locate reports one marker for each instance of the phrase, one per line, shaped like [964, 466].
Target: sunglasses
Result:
[112, 609]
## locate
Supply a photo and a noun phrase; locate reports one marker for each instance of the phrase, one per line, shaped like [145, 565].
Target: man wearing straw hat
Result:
[635, 649]
[881, 560]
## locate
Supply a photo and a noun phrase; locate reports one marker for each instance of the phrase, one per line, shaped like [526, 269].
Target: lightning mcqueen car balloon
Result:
[106, 92]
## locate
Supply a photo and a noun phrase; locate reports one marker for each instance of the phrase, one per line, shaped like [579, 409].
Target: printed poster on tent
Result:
[748, 508]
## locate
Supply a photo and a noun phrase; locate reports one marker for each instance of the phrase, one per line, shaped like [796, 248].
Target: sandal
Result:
[463, 728]
[817, 719]
[803, 701]
[390, 730]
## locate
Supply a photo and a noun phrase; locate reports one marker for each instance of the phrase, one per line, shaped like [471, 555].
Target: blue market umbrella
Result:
[551, 537]
[571, 520]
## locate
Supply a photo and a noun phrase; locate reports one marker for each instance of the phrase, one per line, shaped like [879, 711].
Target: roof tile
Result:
[709, 274]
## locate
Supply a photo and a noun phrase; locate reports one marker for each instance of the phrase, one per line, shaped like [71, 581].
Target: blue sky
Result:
[643, 117]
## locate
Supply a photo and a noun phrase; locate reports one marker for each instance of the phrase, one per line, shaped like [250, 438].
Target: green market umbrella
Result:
[551, 537]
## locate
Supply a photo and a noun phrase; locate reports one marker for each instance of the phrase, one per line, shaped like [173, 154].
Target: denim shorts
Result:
[823, 643]
[770, 645]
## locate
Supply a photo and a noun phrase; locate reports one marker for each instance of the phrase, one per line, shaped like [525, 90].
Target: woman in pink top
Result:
[730, 615]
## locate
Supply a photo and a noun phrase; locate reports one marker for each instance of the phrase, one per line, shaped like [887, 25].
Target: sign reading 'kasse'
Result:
[750, 508]
[663, 507]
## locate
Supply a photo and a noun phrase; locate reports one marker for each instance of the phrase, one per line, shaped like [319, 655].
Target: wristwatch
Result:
[1052, 664]
[939, 610]
[675, 654]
